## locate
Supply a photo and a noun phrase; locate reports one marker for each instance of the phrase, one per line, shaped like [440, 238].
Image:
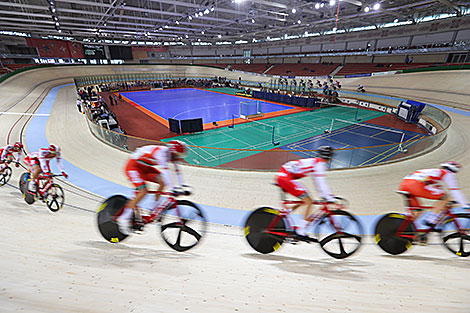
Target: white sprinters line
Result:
[28, 114]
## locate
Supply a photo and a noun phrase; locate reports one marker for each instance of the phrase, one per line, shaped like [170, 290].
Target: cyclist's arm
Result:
[451, 181]
[43, 161]
[59, 163]
[162, 156]
[320, 182]
[179, 174]
[18, 156]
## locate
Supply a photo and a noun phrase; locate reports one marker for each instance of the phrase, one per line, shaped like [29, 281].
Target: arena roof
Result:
[210, 20]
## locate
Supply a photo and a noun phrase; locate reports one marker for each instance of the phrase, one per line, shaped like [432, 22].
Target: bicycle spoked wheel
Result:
[339, 234]
[386, 235]
[255, 230]
[457, 242]
[55, 198]
[183, 225]
[5, 176]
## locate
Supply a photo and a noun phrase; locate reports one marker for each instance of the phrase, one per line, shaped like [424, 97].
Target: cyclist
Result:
[315, 167]
[6, 154]
[426, 184]
[38, 163]
[140, 169]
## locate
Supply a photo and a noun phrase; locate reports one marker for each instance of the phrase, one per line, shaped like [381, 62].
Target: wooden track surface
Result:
[59, 262]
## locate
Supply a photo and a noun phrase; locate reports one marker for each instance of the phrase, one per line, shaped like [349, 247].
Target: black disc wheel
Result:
[23, 182]
[5, 176]
[28, 197]
[55, 198]
[183, 225]
[258, 237]
[106, 218]
[339, 234]
[458, 242]
[387, 236]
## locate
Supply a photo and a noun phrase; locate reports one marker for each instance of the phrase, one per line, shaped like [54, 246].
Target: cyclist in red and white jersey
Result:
[38, 163]
[314, 167]
[6, 154]
[426, 184]
[140, 169]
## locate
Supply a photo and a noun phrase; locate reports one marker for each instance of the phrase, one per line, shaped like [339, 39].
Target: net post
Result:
[272, 139]
[233, 121]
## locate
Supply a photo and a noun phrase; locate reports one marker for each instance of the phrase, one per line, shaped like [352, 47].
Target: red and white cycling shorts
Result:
[138, 173]
[31, 161]
[287, 182]
[419, 189]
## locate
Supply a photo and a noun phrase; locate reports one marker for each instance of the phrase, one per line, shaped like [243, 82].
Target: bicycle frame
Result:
[157, 210]
[45, 188]
[410, 220]
[284, 213]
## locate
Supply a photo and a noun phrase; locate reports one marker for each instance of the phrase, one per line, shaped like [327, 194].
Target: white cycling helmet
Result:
[452, 166]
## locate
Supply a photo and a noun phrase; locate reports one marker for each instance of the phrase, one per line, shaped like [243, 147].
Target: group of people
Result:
[37, 162]
[420, 184]
[141, 169]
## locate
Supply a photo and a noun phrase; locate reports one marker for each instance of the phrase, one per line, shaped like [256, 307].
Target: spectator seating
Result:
[253, 68]
[302, 69]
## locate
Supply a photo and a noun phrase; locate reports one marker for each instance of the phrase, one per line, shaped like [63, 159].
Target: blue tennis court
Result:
[188, 103]
[384, 142]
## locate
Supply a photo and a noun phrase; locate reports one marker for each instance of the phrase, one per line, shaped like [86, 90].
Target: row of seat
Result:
[293, 100]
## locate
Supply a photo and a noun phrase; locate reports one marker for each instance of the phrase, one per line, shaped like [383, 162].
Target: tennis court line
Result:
[390, 155]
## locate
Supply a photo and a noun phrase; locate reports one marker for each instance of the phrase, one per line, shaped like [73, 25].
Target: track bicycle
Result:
[47, 191]
[338, 232]
[396, 233]
[182, 223]
[5, 174]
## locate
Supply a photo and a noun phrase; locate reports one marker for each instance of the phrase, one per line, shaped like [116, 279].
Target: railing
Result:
[269, 160]
[117, 78]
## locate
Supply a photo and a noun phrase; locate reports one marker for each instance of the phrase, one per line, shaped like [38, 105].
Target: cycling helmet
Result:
[18, 145]
[325, 152]
[178, 148]
[54, 149]
[452, 166]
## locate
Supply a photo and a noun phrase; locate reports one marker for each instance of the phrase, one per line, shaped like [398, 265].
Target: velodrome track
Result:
[59, 262]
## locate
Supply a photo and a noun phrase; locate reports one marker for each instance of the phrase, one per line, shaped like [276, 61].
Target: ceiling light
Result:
[335, 29]
[332, 2]
[190, 17]
[376, 6]
[206, 11]
[396, 20]
[317, 5]
[294, 10]
[252, 21]
[322, 5]
[202, 32]
[238, 1]
[186, 36]
[299, 22]
[177, 22]
[220, 36]
[366, 9]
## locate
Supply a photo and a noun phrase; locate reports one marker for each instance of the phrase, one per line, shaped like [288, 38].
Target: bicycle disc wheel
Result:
[5, 176]
[339, 234]
[55, 198]
[28, 198]
[105, 217]
[386, 233]
[183, 225]
[23, 182]
[255, 230]
[457, 242]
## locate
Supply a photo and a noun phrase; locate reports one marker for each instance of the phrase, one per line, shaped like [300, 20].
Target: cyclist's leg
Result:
[297, 190]
[33, 183]
[434, 193]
